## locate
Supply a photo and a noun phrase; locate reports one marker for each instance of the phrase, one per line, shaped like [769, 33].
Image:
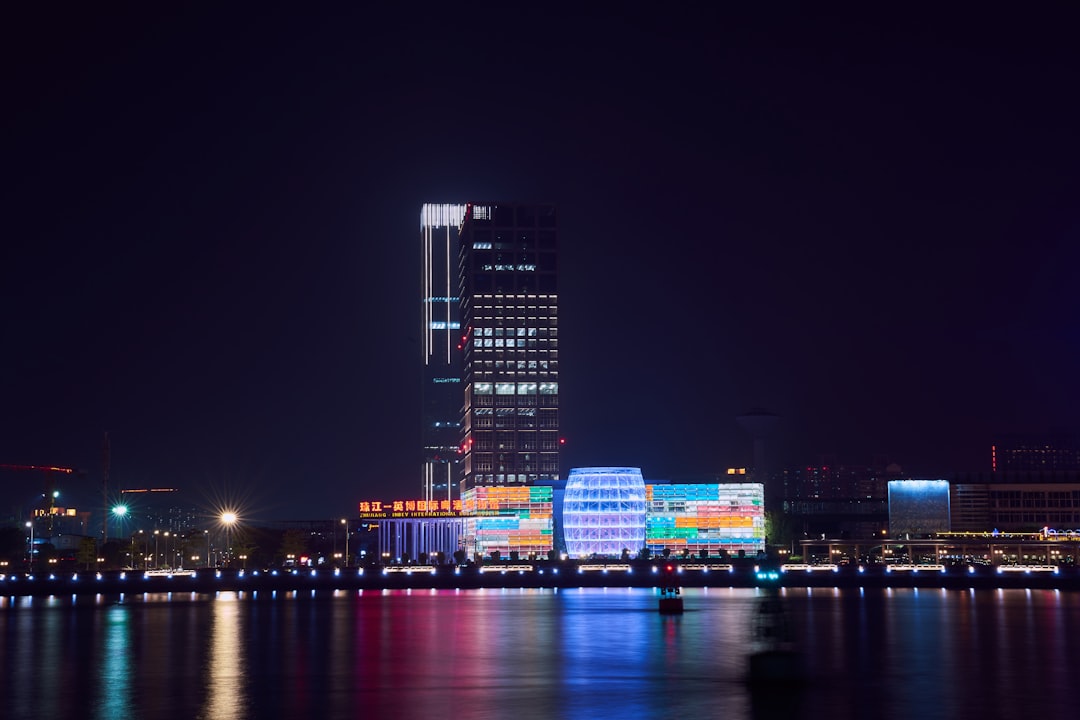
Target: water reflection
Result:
[114, 672]
[226, 677]
[575, 653]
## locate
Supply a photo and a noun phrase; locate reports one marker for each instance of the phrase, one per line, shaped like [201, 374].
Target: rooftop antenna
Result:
[105, 490]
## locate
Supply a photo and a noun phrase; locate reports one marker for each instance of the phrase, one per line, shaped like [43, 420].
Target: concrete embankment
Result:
[535, 575]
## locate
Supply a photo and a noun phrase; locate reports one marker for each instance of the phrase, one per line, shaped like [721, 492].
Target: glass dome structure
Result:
[604, 511]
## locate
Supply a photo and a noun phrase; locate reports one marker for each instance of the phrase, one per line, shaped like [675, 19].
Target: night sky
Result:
[867, 224]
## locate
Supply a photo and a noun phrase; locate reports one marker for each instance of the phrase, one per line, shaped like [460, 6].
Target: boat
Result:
[670, 601]
[775, 657]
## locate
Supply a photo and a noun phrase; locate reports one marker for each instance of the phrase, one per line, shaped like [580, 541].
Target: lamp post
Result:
[119, 512]
[30, 524]
[228, 519]
[207, 547]
[156, 535]
[346, 524]
[169, 565]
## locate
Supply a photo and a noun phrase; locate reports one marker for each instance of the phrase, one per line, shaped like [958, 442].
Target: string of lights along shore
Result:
[491, 356]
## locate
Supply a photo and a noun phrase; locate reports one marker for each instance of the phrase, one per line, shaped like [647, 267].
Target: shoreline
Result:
[543, 575]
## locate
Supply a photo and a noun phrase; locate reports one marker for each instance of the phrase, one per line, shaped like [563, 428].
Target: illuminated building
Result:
[441, 333]
[918, 507]
[1035, 454]
[509, 306]
[508, 520]
[604, 511]
[709, 517]
[1015, 502]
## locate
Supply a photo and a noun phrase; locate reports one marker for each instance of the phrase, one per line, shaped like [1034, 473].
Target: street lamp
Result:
[167, 549]
[207, 547]
[346, 524]
[30, 524]
[156, 535]
[119, 512]
[228, 519]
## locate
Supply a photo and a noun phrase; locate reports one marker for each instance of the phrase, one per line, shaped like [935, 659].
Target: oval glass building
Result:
[604, 511]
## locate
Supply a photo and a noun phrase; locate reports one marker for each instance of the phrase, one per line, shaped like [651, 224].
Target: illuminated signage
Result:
[405, 509]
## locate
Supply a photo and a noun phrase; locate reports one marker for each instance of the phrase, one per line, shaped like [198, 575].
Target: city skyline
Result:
[863, 223]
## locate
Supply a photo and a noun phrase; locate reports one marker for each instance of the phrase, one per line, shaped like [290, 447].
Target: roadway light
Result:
[346, 524]
[30, 525]
[228, 519]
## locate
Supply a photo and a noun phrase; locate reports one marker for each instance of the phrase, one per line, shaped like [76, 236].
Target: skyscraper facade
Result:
[507, 268]
[441, 333]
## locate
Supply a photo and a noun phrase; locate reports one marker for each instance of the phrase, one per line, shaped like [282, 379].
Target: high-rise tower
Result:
[441, 333]
[509, 304]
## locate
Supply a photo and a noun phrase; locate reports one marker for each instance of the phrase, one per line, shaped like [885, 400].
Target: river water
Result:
[571, 653]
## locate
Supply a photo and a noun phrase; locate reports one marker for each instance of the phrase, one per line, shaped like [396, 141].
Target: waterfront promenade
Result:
[740, 574]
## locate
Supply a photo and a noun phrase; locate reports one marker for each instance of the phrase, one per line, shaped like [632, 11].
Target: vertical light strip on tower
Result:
[442, 393]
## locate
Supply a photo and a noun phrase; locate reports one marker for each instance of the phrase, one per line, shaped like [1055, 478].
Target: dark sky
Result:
[867, 224]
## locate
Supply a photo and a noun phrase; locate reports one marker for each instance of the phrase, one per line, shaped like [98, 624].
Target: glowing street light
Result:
[30, 524]
[119, 512]
[228, 519]
[346, 524]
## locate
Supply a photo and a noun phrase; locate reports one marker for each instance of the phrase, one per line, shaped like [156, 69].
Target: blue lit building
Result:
[918, 507]
[604, 511]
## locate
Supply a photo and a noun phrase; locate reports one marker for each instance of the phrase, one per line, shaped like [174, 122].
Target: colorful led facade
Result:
[508, 519]
[710, 517]
[604, 511]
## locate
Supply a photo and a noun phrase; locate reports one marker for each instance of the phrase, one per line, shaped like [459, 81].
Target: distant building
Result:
[1035, 453]
[150, 509]
[838, 500]
[1016, 501]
